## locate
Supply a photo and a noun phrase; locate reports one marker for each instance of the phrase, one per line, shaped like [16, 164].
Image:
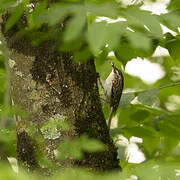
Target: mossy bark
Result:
[46, 83]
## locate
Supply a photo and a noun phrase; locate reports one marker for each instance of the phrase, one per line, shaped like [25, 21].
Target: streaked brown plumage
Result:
[113, 88]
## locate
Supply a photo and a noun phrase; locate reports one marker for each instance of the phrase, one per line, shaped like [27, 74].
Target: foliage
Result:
[77, 147]
[151, 170]
[146, 111]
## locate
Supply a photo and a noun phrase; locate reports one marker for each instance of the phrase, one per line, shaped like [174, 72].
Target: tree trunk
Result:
[47, 84]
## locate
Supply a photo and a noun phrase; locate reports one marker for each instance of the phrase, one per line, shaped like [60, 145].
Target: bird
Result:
[113, 88]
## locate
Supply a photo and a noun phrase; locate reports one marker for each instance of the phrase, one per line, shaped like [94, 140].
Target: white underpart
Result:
[108, 85]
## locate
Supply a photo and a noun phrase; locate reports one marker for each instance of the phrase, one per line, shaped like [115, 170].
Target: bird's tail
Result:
[110, 117]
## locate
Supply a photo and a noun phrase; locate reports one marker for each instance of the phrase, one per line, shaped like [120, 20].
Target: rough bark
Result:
[47, 84]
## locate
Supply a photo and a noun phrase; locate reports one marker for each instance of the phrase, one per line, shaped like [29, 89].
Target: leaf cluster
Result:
[92, 28]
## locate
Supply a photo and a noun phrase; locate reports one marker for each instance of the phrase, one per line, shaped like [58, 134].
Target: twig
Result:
[177, 83]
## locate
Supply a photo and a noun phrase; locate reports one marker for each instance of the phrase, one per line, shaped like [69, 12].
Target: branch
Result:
[177, 83]
[169, 85]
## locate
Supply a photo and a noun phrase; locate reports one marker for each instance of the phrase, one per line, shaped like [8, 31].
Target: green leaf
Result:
[174, 120]
[74, 27]
[114, 31]
[10, 111]
[104, 9]
[173, 46]
[171, 20]
[139, 40]
[70, 149]
[174, 5]
[169, 144]
[167, 129]
[139, 18]
[140, 115]
[15, 15]
[124, 53]
[148, 97]
[151, 145]
[131, 47]
[91, 145]
[74, 148]
[8, 142]
[156, 170]
[116, 131]
[38, 16]
[6, 4]
[102, 57]
[126, 100]
[95, 36]
[70, 46]
[56, 14]
[82, 55]
[141, 131]
[124, 117]
[59, 11]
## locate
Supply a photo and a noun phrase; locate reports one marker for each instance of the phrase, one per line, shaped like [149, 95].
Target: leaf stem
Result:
[177, 83]
[169, 85]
